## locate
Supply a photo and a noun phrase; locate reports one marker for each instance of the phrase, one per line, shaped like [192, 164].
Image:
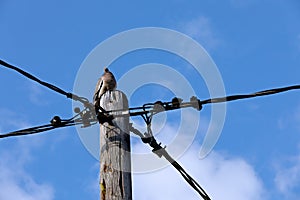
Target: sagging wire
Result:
[38, 129]
[84, 118]
[151, 109]
[88, 117]
[196, 103]
[251, 95]
[69, 95]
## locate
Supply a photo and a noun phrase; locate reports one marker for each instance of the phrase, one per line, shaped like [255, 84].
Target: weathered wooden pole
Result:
[115, 159]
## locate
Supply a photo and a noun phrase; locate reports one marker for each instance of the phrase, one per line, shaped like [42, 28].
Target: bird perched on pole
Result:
[106, 82]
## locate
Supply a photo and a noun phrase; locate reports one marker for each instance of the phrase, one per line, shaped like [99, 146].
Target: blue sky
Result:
[255, 45]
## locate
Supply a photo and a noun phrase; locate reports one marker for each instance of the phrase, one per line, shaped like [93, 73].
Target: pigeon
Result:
[106, 82]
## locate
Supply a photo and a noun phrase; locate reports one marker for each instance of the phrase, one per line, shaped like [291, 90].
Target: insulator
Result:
[55, 121]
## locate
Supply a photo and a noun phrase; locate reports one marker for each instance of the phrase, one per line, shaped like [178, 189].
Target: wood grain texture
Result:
[115, 159]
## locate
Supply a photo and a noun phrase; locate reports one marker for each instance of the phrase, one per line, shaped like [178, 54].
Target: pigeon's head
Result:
[106, 69]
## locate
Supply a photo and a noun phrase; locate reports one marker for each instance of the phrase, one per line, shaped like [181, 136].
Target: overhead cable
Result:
[252, 95]
[160, 151]
[48, 85]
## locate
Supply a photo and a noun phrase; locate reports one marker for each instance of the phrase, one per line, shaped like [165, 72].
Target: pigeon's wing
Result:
[97, 90]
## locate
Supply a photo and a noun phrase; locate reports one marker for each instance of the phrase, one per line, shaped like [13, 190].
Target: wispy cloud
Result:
[36, 95]
[222, 177]
[91, 185]
[11, 120]
[288, 176]
[17, 184]
[15, 181]
[178, 134]
[297, 117]
[292, 119]
[201, 30]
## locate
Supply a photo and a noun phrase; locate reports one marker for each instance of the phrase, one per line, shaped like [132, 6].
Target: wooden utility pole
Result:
[115, 159]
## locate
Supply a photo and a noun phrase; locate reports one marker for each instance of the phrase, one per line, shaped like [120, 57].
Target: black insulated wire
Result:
[148, 111]
[48, 85]
[160, 151]
[252, 95]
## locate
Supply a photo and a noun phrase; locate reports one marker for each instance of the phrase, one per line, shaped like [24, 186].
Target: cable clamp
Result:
[102, 118]
[56, 121]
[196, 103]
[176, 102]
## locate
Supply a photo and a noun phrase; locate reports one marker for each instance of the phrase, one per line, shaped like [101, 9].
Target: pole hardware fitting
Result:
[158, 106]
[56, 121]
[176, 102]
[86, 116]
[103, 118]
[153, 143]
[196, 103]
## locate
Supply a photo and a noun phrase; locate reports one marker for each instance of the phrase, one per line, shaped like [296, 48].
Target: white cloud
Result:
[15, 181]
[11, 120]
[297, 117]
[17, 184]
[288, 176]
[178, 135]
[201, 30]
[287, 169]
[290, 120]
[36, 95]
[222, 178]
[91, 184]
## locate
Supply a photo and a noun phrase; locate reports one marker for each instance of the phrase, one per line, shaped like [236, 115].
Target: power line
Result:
[48, 85]
[252, 95]
[160, 151]
[196, 103]
[37, 129]
[149, 107]
[88, 117]
[153, 108]
[84, 118]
